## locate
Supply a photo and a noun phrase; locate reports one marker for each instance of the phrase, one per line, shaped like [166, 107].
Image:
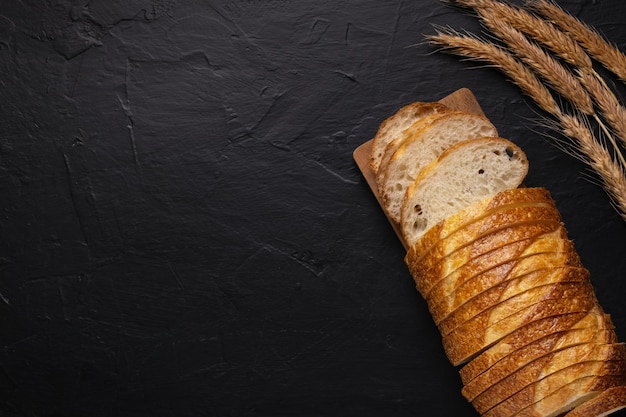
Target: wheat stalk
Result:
[538, 29]
[576, 89]
[603, 51]
[593, 152]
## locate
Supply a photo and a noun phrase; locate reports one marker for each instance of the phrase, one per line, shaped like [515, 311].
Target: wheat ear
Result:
[603, 51]
[578, 90]
[593, 152]
[538, 29]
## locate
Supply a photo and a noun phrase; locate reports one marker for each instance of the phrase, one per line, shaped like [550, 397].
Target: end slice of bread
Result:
[393, 127]
[464, 174]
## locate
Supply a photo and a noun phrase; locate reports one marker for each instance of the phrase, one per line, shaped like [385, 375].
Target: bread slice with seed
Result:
[394, 126]
[464, 174]
[420, 145]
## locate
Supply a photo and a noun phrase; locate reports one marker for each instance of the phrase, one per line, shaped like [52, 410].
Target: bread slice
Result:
[528, 288]
[457, 290]
[562, 390]
[429, 271]
[531, 374]
[578, 392]
[478, 214]
[394, 126]
[492, 322]
[607, 402]
[420, 146]
[544, 349]
[495, 221]
[464, 344]
[393, 146]
[464, 174]
[565, 328]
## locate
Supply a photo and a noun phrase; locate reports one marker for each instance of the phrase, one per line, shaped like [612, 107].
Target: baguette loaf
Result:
[503, 282]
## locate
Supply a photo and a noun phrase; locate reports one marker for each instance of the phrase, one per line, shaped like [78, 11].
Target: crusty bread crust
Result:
[475, 336]
[529, 287]
[483, 271]
[607, 402]
[428, 271]
[478, 212]
[566, 328]
[393, 127]
[528, 376]
[561, 390]
[542, 349]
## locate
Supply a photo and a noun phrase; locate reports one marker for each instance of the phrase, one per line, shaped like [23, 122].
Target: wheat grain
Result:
[538, 29]
[603, 51]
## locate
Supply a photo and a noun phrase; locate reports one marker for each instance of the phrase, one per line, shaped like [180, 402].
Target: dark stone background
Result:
[184, 232]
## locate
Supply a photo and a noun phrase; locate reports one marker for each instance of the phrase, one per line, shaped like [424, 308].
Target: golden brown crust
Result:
[494, 268]
[565, 386]
[607, 402]
[547, 365]
[530, 286]
[476, 335]
[543, 349]
[428, 271]
[499, 219]
[479, 211]
[564, 326]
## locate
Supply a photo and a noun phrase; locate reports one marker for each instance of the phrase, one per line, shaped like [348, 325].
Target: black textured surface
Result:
[183, 231]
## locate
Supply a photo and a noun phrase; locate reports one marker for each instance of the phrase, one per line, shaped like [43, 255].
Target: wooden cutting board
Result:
[462, 99]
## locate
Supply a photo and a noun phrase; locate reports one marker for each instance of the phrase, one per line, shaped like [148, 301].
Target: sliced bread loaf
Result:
[465, 173]
[422, 144]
